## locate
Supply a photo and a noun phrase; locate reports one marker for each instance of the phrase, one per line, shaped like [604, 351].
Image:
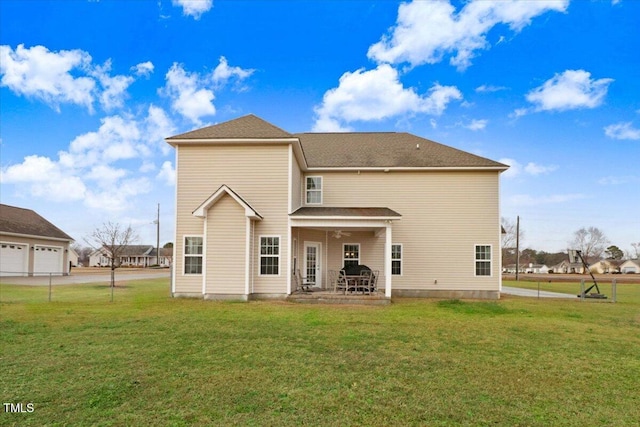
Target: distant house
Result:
[30, 245]
[526, 268]
[256, 205]
[568, 267]
[630, 266]
[605, 266]
[133, 256]
[536, 269]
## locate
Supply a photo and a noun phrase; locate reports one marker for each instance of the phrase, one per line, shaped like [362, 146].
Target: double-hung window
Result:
[192, 255]
[396, 260]
[269, 255]
[483, 260]
[314, 190]
[351, 254]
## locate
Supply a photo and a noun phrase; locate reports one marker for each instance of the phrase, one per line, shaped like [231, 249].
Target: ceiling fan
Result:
[339, 233]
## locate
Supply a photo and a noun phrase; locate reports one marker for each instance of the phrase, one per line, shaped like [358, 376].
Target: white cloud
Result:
[535, 169]
[570, 90]
[618, 180]
[426, 31]
[44, 178]
[105, 175]
[188, 93]
[38, 73]
[143, 69]
[223, 73]
[194, 8]
[158, 126]
[516, 169]
[622, 130]
[490, 88]
[528, 200]
[64, 77]
[375, 95]
[115, 88]
[477, 124]
[97, 166]
[167, 173]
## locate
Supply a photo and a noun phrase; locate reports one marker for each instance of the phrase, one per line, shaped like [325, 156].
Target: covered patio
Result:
[326, 240]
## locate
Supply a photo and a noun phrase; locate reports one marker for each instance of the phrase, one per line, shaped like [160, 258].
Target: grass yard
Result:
[147, 359]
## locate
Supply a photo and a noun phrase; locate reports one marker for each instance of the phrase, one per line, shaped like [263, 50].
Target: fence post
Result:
[49, 287]
[613, 289]
[582, 290]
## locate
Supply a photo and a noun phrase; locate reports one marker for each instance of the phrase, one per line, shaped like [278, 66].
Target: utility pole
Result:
[158, 237]
[517, 248]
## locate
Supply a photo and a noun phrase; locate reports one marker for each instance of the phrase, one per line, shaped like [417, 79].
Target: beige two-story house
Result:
[256, 204]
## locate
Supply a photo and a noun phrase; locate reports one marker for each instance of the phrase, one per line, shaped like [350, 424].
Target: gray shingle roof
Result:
[346, 212]
[384, 149]
[349, 149]
[25, 221]
[249, 126]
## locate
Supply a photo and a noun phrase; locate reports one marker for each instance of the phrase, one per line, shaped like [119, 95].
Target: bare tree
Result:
[590, 241]
[636, 248]
[112, 239]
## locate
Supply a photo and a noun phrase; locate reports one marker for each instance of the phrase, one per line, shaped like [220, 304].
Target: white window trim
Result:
[476, 260]
[359, 253]
[398, 259]
[306, 190]
[260, 256]
[185, 254]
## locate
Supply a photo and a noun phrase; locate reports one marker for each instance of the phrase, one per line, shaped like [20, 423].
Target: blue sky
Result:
[88, 91]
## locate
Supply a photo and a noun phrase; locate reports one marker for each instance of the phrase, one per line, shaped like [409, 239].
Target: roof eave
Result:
[229, 141]
[407, 168]
[35, 236]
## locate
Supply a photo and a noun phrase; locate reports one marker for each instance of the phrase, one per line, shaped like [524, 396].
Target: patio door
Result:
[313, 262]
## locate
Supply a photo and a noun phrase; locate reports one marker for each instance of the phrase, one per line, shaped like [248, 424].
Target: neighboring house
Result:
[73, 257]
[256, 203]
[630, 266]
[605, 266]
[527, 268]
[568, 267]
[536, 269]
[30, 245]
[132, 256]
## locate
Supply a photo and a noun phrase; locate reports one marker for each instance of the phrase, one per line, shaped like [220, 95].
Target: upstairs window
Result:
[314, 190]
[483, 260]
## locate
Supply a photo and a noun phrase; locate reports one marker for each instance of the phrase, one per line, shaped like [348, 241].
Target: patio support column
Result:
[387, 261]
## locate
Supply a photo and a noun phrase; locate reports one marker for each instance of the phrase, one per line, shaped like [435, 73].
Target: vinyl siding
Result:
[258, 173]
[296, 185]
[225, 261]
[444, 215]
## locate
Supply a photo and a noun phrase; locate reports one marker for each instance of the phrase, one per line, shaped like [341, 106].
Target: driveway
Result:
[121, 275]
[521, 292]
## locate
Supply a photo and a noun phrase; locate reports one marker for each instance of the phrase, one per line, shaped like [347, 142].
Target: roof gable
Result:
[16, 220]
[246, 127]
[201, 211]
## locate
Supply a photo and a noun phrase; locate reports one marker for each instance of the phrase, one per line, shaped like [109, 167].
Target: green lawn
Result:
[147, 359]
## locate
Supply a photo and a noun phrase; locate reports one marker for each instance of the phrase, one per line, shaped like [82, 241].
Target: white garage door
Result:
[48, 259]
[13, 259]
